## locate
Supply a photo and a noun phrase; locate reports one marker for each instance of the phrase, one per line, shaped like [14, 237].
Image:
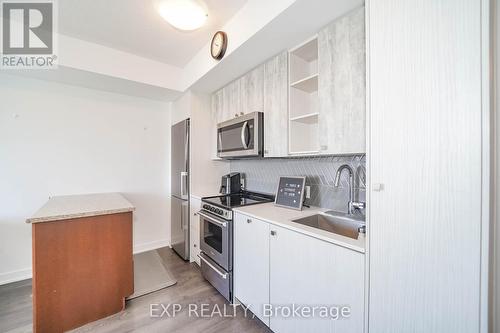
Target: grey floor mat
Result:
[150, 274]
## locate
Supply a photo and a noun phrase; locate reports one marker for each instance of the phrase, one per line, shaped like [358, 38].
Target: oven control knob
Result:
[212, 209]
[205, 206]
[219, 211]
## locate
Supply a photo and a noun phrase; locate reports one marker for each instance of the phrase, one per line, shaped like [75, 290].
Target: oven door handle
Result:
[213, 219]
[216, 270]
[244, 135]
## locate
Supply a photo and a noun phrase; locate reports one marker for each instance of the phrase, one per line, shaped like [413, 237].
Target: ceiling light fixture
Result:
[183, 14]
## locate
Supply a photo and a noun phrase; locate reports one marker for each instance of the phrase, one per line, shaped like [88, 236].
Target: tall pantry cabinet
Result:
[426, 159]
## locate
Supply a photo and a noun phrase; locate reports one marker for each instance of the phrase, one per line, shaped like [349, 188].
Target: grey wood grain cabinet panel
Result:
[276, 106]
[216, 117]
[341, 85]
[231, 100]
[217, 106]
[425, 148]
[252, 91]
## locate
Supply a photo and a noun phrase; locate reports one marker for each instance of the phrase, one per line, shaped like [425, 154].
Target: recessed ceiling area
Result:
[135, 26]
[128, 40]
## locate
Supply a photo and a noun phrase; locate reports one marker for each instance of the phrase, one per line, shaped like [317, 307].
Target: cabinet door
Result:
[309, 272]
[276, 106]
[251, 263]
[216, 117]
[252, 91]
[341, 85]
[426, 148]
[231, 101]
[194, 231]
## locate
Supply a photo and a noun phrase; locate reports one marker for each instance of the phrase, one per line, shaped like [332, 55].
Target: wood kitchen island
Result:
[82, 260]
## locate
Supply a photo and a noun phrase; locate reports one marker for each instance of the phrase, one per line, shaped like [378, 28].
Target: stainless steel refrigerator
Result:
[180, 188]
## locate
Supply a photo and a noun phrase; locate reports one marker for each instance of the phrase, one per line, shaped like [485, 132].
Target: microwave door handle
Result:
[219, 141]
[244, 135]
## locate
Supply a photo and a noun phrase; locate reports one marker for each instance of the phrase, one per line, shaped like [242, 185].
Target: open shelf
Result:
[308, 84]
[307, 118]
[303, 60]
[308, 50]
[303, 98]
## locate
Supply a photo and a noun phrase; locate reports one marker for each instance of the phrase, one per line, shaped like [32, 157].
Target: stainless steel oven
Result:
[241, 137]
[216, 250]
[215, 239]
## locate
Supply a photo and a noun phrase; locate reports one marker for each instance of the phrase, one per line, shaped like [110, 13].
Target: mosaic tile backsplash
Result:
[263, 175]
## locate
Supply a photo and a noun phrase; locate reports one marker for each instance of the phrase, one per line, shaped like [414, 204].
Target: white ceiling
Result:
[134, 26]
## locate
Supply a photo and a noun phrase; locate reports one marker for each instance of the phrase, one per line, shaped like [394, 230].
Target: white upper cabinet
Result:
[252, 91]
[276, 106]
[341, 86]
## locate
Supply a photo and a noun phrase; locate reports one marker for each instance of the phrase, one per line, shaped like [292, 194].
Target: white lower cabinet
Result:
[194, 231]
[251, 263]
[310, 273]
[277, 271]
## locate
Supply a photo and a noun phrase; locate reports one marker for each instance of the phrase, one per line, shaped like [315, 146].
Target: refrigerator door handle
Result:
[182, 218]
[184, 176]
[185, 217]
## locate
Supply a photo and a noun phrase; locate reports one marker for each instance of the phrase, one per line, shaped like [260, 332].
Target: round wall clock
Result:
[219, 45]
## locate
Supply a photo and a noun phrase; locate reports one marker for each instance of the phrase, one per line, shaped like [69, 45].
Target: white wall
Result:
[57, 139]
[181, 108]
[205, 172]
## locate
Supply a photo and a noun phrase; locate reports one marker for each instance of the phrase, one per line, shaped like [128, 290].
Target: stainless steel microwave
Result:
[241, 137]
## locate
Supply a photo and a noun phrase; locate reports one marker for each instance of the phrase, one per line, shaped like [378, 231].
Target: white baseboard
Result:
[15, 276]
[139, 248]
[23, 274]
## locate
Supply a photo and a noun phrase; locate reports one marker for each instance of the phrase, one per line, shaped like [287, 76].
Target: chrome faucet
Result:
[352, 205]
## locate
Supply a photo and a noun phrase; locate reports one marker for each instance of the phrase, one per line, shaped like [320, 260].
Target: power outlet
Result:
[308, 192]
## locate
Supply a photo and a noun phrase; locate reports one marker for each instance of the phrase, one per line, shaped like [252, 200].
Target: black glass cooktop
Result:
[238, 199]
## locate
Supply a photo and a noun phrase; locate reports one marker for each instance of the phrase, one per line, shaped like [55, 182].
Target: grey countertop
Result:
[84, 205]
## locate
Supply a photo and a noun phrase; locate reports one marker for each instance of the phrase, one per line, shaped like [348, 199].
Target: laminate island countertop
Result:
[83, 266]
[75, 206]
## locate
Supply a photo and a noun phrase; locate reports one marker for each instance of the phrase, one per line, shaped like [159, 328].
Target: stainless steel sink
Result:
[338, 223]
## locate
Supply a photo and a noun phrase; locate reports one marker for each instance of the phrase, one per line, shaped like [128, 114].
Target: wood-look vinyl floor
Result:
[191, 288]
